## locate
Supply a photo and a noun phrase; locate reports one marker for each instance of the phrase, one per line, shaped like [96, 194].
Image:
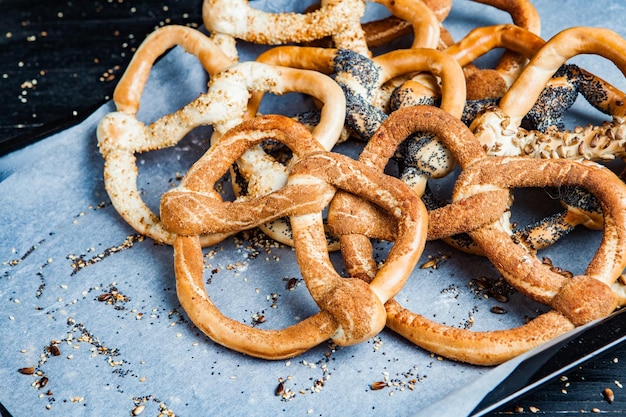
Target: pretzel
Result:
[351, 310]
[574, 302]
[416, 17]
[483, 85]
[567, 83]
[121, 135]
[499, 129]
[601, 143]
[509, 66]
[228, 20]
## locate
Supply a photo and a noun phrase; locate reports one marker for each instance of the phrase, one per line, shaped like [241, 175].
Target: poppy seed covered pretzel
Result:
[351, 310]
[121, 135]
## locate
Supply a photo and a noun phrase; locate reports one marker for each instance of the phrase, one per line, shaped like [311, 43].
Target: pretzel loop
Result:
[520, 267]
[121, 135]
[571, 309]
[351, 310]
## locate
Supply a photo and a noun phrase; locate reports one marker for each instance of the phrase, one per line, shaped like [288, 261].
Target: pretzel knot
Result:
[351, 310]
[121, 135]
[574, 301]
[582, 298]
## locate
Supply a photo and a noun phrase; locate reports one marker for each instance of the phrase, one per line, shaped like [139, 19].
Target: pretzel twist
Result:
[575, 301]
[359, 78]
[351, 310]
[559, 94]
[499, 129]
[121, 135]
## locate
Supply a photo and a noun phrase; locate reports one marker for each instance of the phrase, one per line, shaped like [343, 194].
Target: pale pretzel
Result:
[575, 301]
[417, 17]
[351, 310]
[121, 135]
[228, 20]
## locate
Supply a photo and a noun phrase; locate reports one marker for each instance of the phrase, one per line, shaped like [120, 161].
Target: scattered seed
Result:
[54, 350]
[378, 385]
[280, 388]
[27, 371]
[608, 395]
[497, 310]
[105, 297]
[429, 264]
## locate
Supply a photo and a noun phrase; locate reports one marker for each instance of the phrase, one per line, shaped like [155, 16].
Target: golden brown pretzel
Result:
[598, 92]
[351, 310]
[482, 84]
[573, 305]
[509, 66]
[360, 87]
[121, 135]
[499, 129]
[582, 298]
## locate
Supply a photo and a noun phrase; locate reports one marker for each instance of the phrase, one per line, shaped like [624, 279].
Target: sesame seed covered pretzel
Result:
[121, 135]
[351, 310]
[499, 129]
[574, 302]
[228, 20]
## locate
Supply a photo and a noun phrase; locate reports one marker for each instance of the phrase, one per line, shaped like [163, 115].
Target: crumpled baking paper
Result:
[92, 307]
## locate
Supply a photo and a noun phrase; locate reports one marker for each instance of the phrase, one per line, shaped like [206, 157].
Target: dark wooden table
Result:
[61, 59]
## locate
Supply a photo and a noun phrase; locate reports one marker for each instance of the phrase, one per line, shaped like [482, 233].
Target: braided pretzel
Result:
[574, 301]
[351, 310]
[121, 135]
